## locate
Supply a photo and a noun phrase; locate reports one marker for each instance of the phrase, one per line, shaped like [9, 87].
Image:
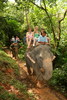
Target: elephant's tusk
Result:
[53, 58]
[30, 58]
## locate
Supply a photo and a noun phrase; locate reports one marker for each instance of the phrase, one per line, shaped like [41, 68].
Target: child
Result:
[36, 35]
[42, 30]
[29, 37]
[42, 38]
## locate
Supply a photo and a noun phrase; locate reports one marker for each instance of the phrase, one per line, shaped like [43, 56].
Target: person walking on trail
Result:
[29, 38]
[36, 35]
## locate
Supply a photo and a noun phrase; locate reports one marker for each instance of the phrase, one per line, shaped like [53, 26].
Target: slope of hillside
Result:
[11, 87]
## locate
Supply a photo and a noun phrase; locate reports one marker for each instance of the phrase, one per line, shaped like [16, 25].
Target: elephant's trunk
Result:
[47, 65]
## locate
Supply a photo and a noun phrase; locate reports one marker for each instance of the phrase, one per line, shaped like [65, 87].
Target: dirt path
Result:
[45, 93]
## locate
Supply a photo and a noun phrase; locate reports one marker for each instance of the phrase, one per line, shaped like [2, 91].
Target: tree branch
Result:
[49, 20]
[59, 26]
[45, 9]
[44, 4]
[63, 16]
[37, 5]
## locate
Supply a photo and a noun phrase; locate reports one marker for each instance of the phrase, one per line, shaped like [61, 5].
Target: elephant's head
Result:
[41, 56]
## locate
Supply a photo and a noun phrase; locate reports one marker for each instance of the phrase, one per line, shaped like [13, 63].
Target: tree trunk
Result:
[27, 20]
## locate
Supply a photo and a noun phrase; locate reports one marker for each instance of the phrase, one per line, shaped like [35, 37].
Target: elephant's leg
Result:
[37, 72]
[13, 53]
[28, 68]
[16, 53]
[34, 72]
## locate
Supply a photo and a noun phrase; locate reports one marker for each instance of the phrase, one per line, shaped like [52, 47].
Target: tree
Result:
[12, 11]
[54, 17]
[2, 4]
[24, 5]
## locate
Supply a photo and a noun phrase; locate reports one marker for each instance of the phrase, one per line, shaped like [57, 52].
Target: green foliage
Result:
[14, 20]
[18, 85]
[8, 29]
[11, 11]
[59, 79]
[7, 62]
[2, 4]
[12, 78]
[22, 51]
[4, 95]
[1, 44]
[61, 55]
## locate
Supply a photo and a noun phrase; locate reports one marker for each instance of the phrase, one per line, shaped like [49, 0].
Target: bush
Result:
[6, 62]
[9, 27]
[10, 78]
[4, 95]
[22, 51]
[59, 79]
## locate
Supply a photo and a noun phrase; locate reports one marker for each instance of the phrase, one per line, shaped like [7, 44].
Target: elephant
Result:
[40, 57]
[14, 47]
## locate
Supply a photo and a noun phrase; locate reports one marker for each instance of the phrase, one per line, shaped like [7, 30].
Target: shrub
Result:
[22, 51]
[59, 79]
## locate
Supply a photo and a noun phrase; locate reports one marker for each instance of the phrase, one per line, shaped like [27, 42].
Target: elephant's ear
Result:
[52, 56]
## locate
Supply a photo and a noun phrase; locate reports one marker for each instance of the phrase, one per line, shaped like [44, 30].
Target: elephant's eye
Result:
[40, 57]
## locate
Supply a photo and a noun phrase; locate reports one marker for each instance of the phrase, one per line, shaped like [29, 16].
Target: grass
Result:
[9, 76]
[5, 95]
